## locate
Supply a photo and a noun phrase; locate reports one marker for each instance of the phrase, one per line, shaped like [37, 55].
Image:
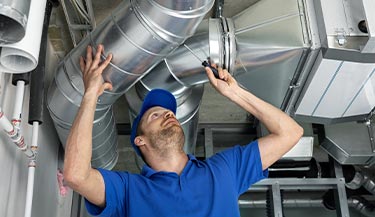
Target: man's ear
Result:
[139, 141]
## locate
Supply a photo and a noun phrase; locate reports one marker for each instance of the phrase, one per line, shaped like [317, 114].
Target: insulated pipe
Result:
[139, 34]
[21, 77]
[37, 75]
[13, 19]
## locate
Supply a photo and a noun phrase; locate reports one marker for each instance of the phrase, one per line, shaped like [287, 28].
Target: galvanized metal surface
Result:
[349, 143]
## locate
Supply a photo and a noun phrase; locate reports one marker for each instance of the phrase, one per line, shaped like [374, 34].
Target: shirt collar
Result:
[147, 171]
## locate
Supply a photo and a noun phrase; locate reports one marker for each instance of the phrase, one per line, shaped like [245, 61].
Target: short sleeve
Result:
[115, 193]
[245, 164]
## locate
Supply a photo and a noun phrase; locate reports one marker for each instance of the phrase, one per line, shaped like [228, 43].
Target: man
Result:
[172, 183]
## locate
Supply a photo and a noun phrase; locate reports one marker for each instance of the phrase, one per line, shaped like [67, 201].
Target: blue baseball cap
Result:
[156, 97]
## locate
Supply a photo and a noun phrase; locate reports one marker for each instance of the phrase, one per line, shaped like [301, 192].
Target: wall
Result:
[13, 163]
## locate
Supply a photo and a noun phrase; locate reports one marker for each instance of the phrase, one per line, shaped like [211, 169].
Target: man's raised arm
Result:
[77, 167]
[284, 131]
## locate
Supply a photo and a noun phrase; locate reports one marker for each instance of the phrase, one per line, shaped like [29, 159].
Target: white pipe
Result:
[14, 135]
[32, 165]
[18, 101]
[30, 188]
[34, 139]
[23, 56]
[5, 124]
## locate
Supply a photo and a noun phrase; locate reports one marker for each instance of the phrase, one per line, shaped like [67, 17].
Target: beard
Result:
[168, 140]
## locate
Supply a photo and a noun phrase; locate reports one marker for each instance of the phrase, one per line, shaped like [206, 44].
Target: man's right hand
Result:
[92, 71]
[225, 84]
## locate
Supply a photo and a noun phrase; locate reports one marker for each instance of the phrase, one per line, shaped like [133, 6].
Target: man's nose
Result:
[168, 114]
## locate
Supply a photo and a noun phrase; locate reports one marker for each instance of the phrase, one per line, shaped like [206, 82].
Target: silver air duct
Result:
[258, 46]
[139, 34]
[263, 47]
[13, 20]
[214, 39]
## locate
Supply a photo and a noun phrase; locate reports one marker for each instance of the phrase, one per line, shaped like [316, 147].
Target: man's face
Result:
[163, 130]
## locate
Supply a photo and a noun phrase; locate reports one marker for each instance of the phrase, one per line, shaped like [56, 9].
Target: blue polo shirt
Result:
[204, 188]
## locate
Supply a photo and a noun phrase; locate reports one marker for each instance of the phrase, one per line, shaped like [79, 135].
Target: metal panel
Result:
[365, 100]
[343, 89]
[338, 89]
[271, 38]
[349, 143]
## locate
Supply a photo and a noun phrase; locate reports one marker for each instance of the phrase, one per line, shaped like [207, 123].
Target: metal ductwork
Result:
[139, 34]
[246, 46]
[13, 19]
[350, 143]
[263, 47]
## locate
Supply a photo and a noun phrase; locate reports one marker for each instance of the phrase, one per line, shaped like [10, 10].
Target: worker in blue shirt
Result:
[171, 183]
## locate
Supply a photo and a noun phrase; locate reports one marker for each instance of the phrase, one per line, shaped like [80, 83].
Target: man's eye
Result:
[154, 115]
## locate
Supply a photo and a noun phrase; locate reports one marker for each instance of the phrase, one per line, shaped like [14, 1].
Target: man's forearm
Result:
[273, 118]
[284, 131]
[79, 143]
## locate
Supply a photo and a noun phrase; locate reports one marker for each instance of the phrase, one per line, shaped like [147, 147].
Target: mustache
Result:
[168, 119]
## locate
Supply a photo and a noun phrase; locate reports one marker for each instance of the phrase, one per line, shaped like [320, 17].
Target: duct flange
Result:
[222, 42]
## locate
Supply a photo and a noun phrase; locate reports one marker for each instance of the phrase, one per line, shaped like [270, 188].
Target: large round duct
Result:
[139, 34]
[13, 20]
[214, 40]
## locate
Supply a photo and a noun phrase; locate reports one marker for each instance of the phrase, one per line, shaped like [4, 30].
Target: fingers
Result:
[97, 56]
[211, 76]
[88, 57]
[89, 63]
[105, 63]
[82, 64]
[107, 86]
[224, 74]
